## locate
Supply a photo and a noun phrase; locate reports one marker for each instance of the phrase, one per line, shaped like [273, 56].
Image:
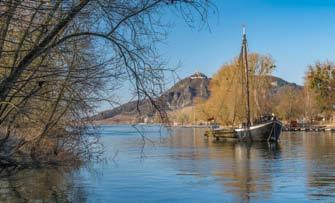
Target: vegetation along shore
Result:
[200, 100]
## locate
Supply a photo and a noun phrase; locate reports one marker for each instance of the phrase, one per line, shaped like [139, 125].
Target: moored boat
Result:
[266, 128]
[268, 131]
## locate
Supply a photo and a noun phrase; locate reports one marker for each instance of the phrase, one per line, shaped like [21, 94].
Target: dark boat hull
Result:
[268, 132]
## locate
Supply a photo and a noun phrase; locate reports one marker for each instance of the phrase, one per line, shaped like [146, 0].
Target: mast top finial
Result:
[243, 29]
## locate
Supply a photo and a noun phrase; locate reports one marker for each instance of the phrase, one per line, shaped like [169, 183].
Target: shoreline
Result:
[311, 128]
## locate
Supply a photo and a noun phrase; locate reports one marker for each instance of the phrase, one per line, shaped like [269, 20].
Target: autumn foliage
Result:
[320, 81]
[313, 102]
[227, 102]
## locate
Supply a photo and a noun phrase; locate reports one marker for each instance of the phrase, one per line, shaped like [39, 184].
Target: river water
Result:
[183, 166]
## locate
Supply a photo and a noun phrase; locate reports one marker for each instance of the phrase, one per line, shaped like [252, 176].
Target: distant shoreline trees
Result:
[312, 103]
[320, 81]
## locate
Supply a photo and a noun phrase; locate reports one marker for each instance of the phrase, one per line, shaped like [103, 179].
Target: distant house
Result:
[274, 83]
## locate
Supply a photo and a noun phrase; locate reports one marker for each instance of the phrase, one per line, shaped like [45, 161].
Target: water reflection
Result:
[320, 153]
[239, 166]
[42, 185]
[186, 167]
[247, 176]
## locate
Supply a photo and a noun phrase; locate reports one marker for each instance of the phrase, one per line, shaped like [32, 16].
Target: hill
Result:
[182, 94]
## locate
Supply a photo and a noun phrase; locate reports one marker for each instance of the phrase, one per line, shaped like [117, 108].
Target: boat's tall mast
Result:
[244, 45]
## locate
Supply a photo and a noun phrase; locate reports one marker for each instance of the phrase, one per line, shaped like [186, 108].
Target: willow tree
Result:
[59, 58]
[227, 101]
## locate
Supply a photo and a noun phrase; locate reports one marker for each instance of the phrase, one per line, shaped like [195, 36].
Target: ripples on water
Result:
[185, 167]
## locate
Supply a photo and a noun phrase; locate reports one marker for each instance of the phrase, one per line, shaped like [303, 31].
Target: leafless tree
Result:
[59, 58]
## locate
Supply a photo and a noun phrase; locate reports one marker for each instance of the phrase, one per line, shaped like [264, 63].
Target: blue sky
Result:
[295, 33]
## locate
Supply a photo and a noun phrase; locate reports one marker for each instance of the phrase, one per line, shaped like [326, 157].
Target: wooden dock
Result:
[309, 129]
[223, 133]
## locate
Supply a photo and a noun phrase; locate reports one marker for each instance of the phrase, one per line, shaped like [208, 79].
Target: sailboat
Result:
[268, 128]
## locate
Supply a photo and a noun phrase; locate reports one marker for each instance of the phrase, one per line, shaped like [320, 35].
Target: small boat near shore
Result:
[266, 129]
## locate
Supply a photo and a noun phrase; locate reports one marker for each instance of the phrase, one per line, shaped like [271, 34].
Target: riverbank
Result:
[300, 127]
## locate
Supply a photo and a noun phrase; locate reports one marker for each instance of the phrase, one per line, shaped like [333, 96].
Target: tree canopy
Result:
[227, 101]
[320, 80]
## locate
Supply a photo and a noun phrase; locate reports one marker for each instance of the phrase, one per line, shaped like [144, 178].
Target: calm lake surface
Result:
[183, 166]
